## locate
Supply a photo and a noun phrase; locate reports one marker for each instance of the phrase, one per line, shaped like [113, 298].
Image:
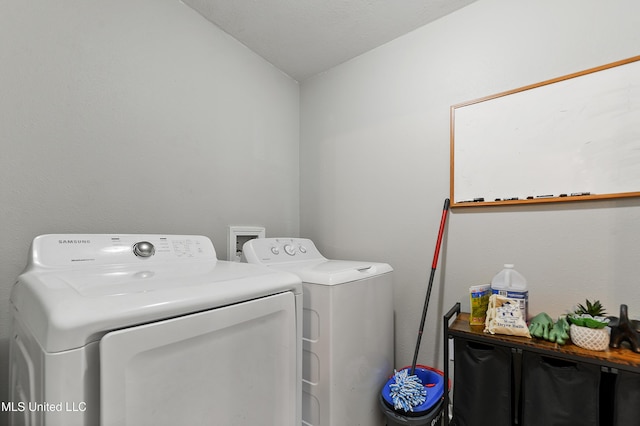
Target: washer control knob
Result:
[302, 249]
[275, 250]
[144, 249]
[289, 249]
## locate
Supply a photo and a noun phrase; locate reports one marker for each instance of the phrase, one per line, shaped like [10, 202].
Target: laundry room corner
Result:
[144, 118]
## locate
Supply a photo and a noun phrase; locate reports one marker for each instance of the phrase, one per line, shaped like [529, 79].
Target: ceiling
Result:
[306, 37]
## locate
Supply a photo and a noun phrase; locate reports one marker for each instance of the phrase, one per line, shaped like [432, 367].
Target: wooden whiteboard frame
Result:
[571, 138]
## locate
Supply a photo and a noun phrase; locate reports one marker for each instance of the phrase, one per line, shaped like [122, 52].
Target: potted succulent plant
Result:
[589, 326]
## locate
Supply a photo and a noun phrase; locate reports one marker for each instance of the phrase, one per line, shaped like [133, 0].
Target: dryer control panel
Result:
[63, 250]
[269, 251]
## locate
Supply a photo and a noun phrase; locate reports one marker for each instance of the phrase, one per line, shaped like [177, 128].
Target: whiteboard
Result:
[572, 138]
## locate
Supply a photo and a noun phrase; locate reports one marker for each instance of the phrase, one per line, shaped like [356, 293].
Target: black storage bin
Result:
[559, 392]
[482, 393]
[626, 410]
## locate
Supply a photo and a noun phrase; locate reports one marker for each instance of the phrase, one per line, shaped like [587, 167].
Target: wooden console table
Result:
[519, 354]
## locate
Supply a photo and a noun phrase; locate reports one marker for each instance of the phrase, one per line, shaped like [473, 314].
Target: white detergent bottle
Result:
[512, 284]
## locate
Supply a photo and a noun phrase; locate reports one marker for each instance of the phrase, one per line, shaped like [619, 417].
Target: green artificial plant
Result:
[590, 315]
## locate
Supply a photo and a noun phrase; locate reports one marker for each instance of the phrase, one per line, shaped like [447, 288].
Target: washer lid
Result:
[67, 304]
[301, 256]
[334, 272]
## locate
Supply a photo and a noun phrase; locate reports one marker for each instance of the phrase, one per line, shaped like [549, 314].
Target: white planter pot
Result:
[593, 339]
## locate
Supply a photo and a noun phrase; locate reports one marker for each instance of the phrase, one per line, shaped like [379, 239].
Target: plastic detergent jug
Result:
[512, 284]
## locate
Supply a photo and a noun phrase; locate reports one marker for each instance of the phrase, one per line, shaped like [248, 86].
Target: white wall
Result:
[139, 116]
[375, 163]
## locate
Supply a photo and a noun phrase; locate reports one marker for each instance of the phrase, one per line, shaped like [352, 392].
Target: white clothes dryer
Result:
[348, 330]
[152, 330]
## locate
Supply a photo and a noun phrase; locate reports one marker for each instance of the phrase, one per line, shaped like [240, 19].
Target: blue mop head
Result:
[407, 391]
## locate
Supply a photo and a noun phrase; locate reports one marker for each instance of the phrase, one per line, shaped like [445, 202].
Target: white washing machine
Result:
[152, 330]
[348, 330]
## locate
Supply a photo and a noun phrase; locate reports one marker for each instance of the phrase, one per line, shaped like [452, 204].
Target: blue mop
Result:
[407, 391]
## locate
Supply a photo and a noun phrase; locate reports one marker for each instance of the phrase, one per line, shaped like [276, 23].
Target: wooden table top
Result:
[623, 358]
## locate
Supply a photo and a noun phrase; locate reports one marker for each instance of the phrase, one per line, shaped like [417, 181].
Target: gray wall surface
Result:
[375, 164]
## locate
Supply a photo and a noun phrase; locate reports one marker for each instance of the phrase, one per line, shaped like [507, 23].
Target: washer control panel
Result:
[269, 251]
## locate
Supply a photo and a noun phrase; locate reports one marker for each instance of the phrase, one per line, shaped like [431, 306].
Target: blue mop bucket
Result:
[427, 412]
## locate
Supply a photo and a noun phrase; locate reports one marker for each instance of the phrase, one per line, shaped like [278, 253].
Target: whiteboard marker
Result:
[576, 194]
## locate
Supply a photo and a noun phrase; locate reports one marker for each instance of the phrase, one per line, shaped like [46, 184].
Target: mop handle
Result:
[440, 232]
[443, 220]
